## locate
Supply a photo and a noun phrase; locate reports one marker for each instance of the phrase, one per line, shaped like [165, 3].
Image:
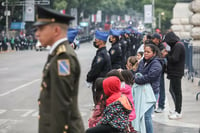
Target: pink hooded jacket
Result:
[126, 90]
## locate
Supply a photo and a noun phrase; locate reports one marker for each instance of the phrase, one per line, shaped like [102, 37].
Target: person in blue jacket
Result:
[150, 68]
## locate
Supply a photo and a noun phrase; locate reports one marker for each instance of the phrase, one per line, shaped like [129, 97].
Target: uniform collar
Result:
[56, 44]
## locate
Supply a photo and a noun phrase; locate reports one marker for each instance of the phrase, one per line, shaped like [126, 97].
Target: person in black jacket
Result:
[101, 63]
[115, 50]
[123, 45]
[175, 71]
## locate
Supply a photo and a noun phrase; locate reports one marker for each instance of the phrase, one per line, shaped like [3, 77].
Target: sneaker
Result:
[175, 116]
[159, 110]
[171, 112]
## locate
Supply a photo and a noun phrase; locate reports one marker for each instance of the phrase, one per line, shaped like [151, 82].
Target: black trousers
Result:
[102, 129]
[176, 93]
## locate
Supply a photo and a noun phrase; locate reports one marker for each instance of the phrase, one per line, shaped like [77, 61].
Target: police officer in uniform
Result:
[115, 50]
[101, 63]
[123, 45]
[58, 100]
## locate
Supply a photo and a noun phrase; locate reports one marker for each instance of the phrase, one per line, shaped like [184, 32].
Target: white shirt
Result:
[56, 44]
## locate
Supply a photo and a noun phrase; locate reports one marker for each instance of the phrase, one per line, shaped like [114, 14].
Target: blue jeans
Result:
[161, 102]
[148, 118]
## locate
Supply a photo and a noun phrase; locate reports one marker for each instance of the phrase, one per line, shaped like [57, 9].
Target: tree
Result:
[117, 7]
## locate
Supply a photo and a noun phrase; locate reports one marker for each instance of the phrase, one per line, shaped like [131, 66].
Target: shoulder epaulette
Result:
[61, 49]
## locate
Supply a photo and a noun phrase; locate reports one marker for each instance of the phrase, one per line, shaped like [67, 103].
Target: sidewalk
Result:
[190, 107]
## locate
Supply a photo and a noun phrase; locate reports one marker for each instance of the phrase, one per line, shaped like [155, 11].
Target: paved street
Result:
[20, 76]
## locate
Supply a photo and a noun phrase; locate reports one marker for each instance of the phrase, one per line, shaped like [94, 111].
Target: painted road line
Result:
[26, 113]
[2, 111]
[20, 87]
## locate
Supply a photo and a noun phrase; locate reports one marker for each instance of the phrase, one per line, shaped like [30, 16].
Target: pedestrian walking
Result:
[175, 71]
[58, 100]
[12, 43]
[1, 42]
[101, 63]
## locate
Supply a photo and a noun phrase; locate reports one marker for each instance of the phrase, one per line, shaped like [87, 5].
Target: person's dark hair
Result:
[132, 60]
[99, 89]
[128, 77]
[100, 97]
[147, 42]
[116, 38]
[116, 73]
[153, 48]
[149, 37]
[141, 53]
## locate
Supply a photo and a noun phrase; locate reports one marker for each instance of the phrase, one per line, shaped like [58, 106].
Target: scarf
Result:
[114, 97]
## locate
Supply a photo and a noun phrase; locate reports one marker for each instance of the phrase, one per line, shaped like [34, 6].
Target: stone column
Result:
[180, 21]
[195, 21]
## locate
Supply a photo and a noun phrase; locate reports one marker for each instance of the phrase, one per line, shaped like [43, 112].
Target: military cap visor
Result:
[46, 16]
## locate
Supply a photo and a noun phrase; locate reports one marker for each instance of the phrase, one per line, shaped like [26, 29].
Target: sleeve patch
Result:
[112, 52]
[63, 67]
[99, 59]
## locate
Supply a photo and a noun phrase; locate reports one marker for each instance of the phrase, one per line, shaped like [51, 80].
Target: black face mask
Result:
[95, 45]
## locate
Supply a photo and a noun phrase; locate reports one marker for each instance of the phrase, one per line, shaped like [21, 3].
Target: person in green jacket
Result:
[58, 100]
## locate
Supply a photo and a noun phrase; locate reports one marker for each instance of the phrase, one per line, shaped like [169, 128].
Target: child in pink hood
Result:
[126, 79]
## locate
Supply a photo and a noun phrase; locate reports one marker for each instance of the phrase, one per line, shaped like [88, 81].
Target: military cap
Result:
[71, 34]
[115, 32]
[101, 35]
[46, 16]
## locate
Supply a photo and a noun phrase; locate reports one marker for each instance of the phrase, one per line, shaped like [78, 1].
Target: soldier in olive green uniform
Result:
[58, 101]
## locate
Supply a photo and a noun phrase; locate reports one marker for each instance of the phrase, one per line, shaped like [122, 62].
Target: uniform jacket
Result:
[59, 92]
[116, 56]
[151, 73]
[101, 64]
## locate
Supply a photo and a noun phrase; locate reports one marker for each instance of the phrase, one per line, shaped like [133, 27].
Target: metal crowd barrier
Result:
[192, 62]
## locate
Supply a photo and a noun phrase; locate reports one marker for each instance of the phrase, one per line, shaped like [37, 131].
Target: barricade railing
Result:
[192, 62]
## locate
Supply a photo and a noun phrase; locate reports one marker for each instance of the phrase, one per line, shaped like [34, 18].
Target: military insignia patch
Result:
[98, 59]
[63, 67]
[112, 52]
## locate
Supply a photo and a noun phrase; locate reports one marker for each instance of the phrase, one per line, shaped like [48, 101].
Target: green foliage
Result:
[60, 5]
[108, 7]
